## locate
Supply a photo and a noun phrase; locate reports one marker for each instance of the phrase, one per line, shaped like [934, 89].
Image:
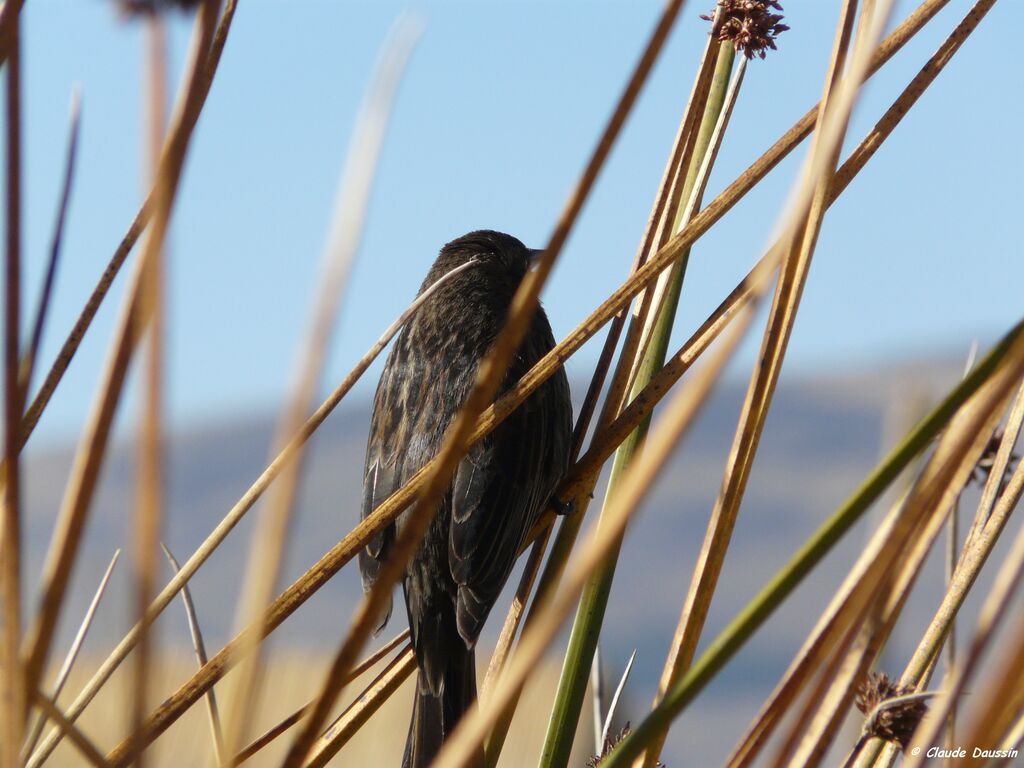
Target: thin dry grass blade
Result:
[809, 655]
[817, 724]
[28, 359]
[999, 706]
[72, 655]
[992, 612]
[614, 705]
[817, 645]
[972, 559]
[952, 555]
[399, 639]
[271, 734]
[341, 553]
[148, 519]
[918, 670]
[199, 646]
[997, 472]
[655, 233]
[723, 203]
[653, 311]
[92, 450]
[719, 207]
[891, 550]
[290, 600]
[67, 351]
[950, 645]
[458, 750]
[9, 17]
[359, 711]
[351, 204]
[1004, 360]
[333, 560]
[643, 355]
[925, 77]
[13, 706]
[87, 749]
[489, 376]
[1012, 744]
[761, 388]
[262, 741]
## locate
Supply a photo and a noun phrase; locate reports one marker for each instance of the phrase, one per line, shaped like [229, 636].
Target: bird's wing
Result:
[498, 492]
[382, 476]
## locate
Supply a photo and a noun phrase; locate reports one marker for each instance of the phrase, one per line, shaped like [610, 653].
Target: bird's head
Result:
[501, 260]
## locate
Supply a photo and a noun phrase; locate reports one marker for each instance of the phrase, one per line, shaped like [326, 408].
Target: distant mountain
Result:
[822, 437]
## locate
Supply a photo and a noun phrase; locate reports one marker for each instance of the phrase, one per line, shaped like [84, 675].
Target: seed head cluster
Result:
[895, 723]
[750, 25]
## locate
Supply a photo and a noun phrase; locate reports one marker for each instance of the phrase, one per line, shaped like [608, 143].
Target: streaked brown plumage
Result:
[499, 489]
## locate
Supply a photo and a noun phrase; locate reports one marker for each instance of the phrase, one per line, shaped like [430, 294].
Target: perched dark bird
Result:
[499, 489]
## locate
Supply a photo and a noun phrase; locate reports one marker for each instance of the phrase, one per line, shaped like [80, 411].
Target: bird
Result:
[500, 488]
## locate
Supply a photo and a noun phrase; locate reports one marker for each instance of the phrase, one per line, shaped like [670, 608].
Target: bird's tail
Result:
[434, 716]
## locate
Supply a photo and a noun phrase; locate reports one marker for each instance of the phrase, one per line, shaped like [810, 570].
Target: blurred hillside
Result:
[822, 437]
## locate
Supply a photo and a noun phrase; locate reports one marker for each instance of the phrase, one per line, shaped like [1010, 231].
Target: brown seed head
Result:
[896, 722]
[750, 25]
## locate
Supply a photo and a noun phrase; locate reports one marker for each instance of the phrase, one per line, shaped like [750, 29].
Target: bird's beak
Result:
[535, 255]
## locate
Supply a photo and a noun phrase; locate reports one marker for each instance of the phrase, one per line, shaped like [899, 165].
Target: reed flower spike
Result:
[750, 25]
[889, 717]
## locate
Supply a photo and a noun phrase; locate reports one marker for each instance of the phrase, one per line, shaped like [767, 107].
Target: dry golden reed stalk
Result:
[340, 554]
[69, 659]
[578, 488]
[272, 533]
[134, 318]
[142, 218]
[997, 703]
[13, 705]
[85, 747]
[491, 371]
[199, 646]
[655, 233]
[149, 512]
[28, 358]
[660, 226]
[830, 677]
[637, 480]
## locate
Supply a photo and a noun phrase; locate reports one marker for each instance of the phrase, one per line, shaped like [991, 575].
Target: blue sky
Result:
[498, 113]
